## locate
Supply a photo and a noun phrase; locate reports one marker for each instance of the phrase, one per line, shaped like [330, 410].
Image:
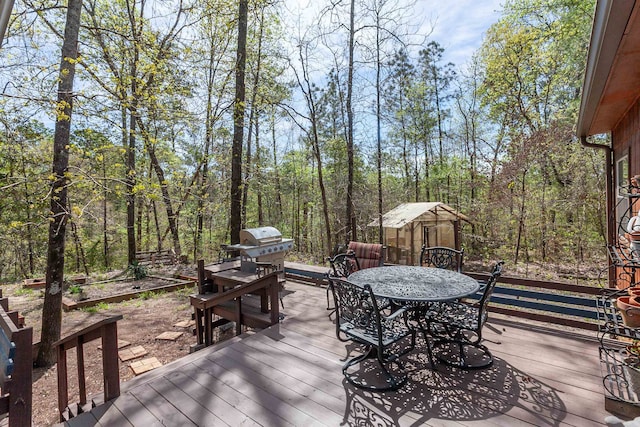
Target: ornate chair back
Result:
[486, 294]
[442, 257]
[343, 264]
[357, 311]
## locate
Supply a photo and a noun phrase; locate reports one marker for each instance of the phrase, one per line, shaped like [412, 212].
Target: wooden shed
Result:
[410, 225]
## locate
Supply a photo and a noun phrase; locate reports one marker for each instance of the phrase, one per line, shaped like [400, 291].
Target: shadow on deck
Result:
[290, 374]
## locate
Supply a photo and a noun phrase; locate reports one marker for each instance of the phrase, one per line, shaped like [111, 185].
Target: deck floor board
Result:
[291, 375]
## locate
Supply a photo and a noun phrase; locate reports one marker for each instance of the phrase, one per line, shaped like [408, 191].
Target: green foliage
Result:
[24, 292]
[75, 289]
[146, 295]
[99, 307]
[137, 270]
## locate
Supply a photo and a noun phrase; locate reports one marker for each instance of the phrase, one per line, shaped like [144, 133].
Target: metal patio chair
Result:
[457, 329]
[341, 265]
[442, 257]
[359, 319]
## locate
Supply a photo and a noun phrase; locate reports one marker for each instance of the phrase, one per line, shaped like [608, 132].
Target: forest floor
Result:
[150, 315]
[144, 319]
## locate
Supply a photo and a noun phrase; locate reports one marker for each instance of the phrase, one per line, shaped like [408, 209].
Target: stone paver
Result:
[169, 336]
[141, 366]
[132, 353]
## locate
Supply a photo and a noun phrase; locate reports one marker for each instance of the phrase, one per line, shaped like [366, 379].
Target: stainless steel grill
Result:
[260, 245]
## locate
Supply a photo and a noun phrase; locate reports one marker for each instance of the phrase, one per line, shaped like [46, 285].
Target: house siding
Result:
[626, 138]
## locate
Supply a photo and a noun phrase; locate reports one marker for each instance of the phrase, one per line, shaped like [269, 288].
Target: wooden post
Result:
[63, 384]
[82, 383]
[238, 315]
[21, 392]
[201, 276]
[110, 367]
[274, 288]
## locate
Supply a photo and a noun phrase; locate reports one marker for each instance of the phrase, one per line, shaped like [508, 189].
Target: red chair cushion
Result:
[368, 254]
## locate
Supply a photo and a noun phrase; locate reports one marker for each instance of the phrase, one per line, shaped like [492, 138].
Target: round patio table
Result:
[417, 287]
[413, 283]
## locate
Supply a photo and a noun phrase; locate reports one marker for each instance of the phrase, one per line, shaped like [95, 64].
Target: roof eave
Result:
[609, 24]
[5, 14]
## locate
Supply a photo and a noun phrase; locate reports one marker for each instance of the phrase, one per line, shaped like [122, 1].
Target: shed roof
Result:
[425, 211]
[612, 76]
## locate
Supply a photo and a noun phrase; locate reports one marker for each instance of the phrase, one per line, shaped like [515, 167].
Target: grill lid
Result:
[260, 236]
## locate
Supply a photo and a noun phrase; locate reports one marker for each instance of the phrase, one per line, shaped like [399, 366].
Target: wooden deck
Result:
[290, 375]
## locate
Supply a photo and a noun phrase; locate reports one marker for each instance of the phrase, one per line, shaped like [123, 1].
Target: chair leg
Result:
[391, 382]
[425, 333]
[329, 308]
[462, 354]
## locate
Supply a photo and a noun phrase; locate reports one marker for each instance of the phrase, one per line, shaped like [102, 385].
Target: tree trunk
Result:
[157, 224]
[315, 144]
[27, 200]
[275, 168]
[253, 114]
[105, 233]
[81, 259]
[238, 124]
[164, 190]
[130, 184]
[141, 206]
[258, 176]
[350, 217]
[378, 130]
[521, 220]
[52, 308]
[204, 180]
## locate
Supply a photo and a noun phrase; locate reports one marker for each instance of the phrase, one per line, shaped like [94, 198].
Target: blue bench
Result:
[7, 356]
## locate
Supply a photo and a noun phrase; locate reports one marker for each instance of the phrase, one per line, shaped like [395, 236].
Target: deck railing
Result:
[107, 331]
[545, 301]
[17, 367]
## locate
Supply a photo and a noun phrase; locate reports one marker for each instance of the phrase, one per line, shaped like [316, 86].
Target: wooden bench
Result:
[153, 258]
[16, 368]
[227, 294]
[106, 330]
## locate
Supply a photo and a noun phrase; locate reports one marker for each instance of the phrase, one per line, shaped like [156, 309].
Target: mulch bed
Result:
[117, 290]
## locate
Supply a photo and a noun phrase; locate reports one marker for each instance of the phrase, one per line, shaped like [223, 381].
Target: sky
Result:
[457, 25]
